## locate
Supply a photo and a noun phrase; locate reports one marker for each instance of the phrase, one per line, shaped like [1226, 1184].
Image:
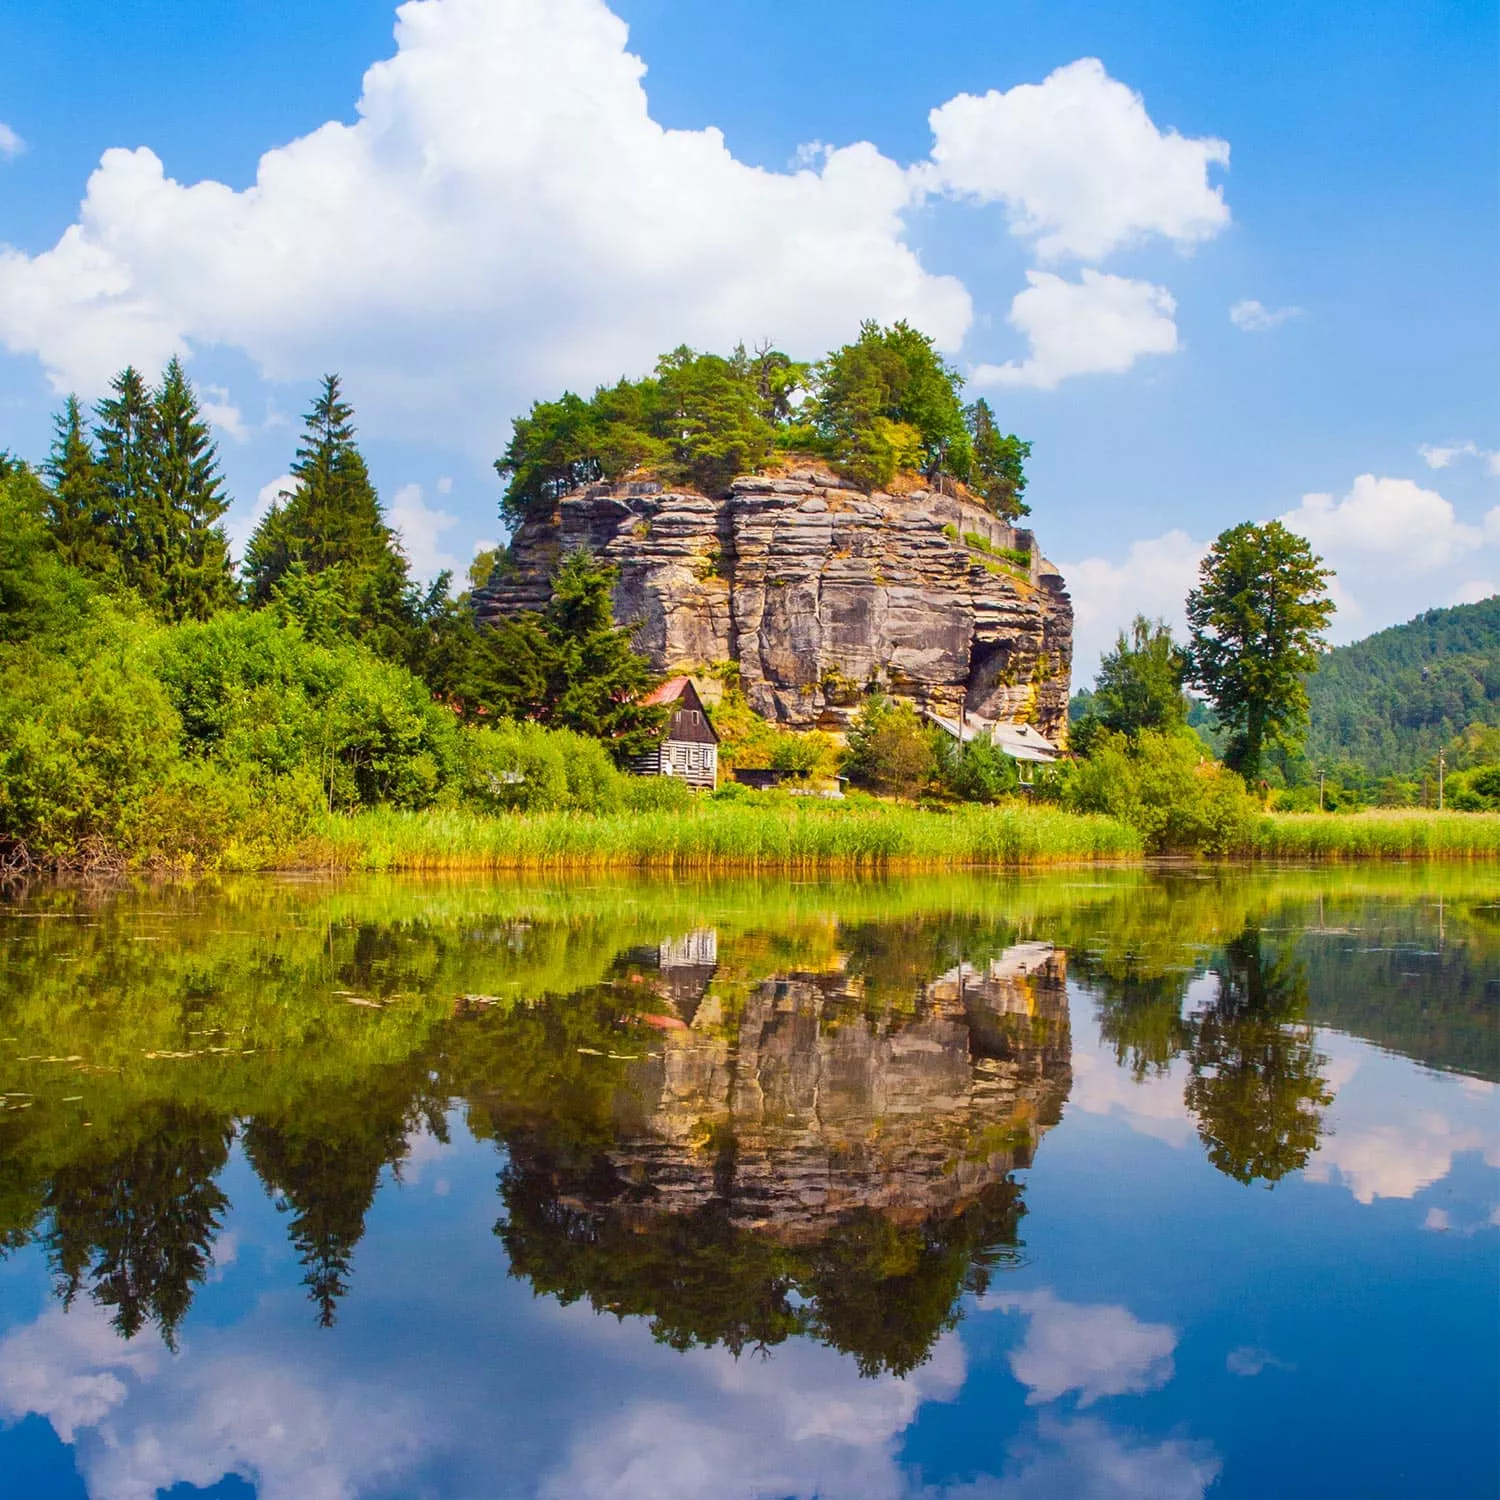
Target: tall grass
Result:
[1377, 834]
[719, 836]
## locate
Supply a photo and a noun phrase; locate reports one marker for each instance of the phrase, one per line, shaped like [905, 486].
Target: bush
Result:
[975, 771]
[260, 699]
[890, 750]
[85, 740]
[510, 767]
[1163, 785]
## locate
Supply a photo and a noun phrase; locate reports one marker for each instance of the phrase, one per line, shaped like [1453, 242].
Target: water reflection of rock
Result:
[805, 1102]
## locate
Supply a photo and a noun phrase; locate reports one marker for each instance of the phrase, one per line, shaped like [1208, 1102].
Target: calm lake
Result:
[1136, 1184]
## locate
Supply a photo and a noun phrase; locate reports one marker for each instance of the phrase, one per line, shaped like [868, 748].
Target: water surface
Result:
[1127, 1185]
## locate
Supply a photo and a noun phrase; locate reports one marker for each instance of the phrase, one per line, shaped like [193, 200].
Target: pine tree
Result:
[123, 436]
[333, 522]
[188, 503]
[78, 508]
[997, 469]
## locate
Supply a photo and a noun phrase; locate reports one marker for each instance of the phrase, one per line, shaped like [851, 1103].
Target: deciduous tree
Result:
[1257, 618]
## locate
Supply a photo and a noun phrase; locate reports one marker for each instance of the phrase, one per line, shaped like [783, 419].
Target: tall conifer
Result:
[79, 514]
[333, 522]
[188, 502]
[123, 435]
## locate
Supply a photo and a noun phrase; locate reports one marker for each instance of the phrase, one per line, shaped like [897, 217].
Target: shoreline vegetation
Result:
[785, 835]
[743, 837]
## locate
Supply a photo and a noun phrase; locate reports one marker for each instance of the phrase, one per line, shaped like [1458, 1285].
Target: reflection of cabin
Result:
[691, 748]
[1024, 743]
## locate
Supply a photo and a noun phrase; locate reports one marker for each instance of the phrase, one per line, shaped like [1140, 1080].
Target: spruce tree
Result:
[188, 503]
[333, 523]
[78, 508]
[123, 435]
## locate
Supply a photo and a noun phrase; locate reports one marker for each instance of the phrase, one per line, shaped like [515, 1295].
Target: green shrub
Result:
[85, 740]
[1162, 784]
[889, 749]
[976, 771]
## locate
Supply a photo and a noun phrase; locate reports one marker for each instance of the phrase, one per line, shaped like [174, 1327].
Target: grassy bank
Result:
[774, 836]
[1378, 834]
[719, 836]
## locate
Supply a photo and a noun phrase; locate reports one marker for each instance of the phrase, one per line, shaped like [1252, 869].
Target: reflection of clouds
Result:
[1153, 1106]
[800, 1423]
[1096, 1350]
[1085, 1459]
[145, 1421]
[1395, 1129]
[68, 1367]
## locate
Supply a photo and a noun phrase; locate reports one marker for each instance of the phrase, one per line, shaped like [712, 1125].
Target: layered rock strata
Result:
[820, 592]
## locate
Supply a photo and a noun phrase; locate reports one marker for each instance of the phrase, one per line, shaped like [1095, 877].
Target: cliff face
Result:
[818, 592]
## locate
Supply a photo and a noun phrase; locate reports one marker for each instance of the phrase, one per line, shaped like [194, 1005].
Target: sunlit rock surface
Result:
[819, 591]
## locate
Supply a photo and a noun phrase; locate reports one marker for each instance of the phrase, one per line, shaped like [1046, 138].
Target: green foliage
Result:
[1391, 700]
[568, 667]
[889, 402]
[78, 512]
[1139, 685]
[146, 515]
[997, 469]
[699, 420]
[890, 749]
[1162, 784]
[40, 596]
[975, 771]
[510, 766]
[884, 404]
[1256, 622]
[330, 528]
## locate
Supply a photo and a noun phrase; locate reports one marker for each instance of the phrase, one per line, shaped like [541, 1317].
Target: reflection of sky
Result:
[1171, 1331]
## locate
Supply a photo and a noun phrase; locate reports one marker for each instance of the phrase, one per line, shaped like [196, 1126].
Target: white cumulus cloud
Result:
[421, 529]
[1097, 325]
[1152, 579]
[10, 143]
[1393, 517]
[1250, 316]
[1445, 455]
[504, 218]
[1079, 164]
[242, 520]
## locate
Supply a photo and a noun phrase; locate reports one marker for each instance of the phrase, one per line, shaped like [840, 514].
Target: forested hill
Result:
[1390, 701]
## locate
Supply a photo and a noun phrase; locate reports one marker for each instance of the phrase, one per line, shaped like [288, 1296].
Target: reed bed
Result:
[720, 836]
[1378, 834]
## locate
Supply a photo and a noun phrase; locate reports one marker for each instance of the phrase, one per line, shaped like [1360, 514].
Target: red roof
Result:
[669, 692]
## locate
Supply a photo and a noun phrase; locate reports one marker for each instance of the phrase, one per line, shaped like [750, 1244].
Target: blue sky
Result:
[496, 213]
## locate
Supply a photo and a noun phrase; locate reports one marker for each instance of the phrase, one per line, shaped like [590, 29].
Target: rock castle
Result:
[818, 592]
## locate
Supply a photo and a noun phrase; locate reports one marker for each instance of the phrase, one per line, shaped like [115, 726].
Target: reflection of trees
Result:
[871, 1287]
[324, 1160]
[1255, 1084]
[134, 1220]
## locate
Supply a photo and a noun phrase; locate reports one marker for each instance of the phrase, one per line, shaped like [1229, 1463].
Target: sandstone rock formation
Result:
[818, 592]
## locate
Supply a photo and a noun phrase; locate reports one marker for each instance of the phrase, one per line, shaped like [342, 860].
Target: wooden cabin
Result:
[691, 748]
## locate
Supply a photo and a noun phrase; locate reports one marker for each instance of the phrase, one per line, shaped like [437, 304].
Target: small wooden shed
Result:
[691, 748]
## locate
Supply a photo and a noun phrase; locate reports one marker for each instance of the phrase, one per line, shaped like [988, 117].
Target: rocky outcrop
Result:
[819, 592]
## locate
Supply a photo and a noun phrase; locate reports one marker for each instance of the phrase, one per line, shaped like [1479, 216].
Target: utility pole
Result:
[1441, 768]
[1320, 790]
